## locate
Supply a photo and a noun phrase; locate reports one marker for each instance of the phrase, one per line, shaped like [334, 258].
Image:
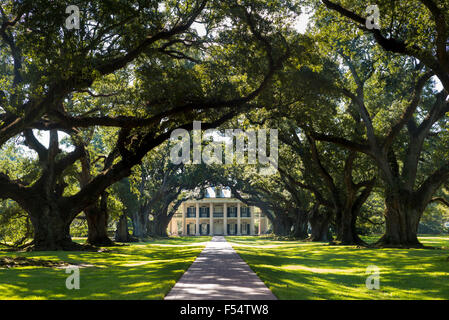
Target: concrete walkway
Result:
[219, 273]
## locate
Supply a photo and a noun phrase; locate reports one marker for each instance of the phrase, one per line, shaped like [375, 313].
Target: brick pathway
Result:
[219, 273]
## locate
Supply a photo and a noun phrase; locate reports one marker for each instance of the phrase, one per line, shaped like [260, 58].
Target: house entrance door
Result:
[218, 228]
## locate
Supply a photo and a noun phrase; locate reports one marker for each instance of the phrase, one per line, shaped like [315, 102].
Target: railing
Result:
[219, 215]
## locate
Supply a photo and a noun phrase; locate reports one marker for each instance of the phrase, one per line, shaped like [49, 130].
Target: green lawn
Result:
[144, 270]
[291, 269]
[301, 270]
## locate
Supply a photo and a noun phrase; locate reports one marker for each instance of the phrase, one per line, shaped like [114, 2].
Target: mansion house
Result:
[222, 215]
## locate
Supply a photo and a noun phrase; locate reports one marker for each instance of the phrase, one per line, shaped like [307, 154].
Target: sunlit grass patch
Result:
[135, 271]
[304, 270]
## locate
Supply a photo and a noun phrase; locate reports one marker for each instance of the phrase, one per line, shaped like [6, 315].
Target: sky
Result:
[300, 25]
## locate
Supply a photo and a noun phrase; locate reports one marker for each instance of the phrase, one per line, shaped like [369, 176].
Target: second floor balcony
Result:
[218, 212]
[204, 212]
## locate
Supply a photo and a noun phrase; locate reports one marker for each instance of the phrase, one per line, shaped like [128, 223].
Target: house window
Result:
[218, 192]
[204, 212]
[232, 228]
[191, 229]
[245, 228]
[245, 212]
[218, 211]
[204, 229]
[191, 212]
[232, 212]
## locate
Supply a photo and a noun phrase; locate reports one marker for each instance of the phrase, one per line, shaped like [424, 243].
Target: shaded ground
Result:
[12, 262]
[144, 270]
[301, 270]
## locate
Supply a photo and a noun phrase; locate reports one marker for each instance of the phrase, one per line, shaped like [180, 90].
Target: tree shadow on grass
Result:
[339, 272]
[132, 272]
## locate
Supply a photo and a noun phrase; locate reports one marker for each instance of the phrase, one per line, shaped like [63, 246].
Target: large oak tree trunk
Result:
[140, 223]
[300, 227]
[282, 225]
[121, 232]
[97, 228]
[346, 227]
[158, 226]
[51, 229]
[346, 216]
[97, 222]
[402, 215]
[319, 223]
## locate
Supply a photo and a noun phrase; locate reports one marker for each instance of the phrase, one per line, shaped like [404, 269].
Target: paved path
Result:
[219, 273]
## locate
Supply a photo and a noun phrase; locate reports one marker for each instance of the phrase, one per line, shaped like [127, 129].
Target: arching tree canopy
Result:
[86, 112]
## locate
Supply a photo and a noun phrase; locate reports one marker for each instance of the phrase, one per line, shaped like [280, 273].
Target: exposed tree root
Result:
[11, 262]
[65, 246]
[104, 242]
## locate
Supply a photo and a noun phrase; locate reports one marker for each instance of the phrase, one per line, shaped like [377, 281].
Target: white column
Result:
[251, 228]
[211, 219]
[238, 219]
[184, 209]
[225, 219]
[197, 228]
